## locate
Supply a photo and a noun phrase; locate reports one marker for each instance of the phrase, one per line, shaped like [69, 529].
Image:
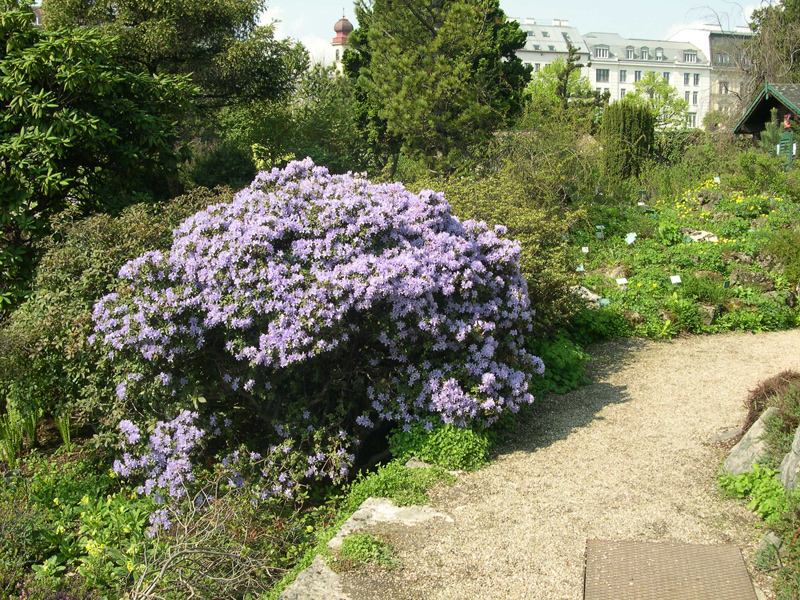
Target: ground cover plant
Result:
[742, 278]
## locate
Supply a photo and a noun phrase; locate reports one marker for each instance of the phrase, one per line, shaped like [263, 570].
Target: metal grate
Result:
[664, 571]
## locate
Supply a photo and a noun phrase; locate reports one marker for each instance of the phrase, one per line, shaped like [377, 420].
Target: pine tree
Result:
[628, 134]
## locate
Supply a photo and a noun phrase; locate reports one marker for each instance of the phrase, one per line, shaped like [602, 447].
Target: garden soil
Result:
[631, 456]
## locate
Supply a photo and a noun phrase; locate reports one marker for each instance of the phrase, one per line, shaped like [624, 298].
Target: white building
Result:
[729, 78]
[617, 63]
[547, 41]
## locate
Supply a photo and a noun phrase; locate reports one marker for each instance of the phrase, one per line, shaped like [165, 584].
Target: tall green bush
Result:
[628, 136]
[45, 361]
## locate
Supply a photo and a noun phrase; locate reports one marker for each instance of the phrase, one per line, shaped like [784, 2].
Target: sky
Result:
[311, 21]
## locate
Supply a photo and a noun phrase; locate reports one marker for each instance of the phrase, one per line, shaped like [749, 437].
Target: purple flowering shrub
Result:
[313, 308]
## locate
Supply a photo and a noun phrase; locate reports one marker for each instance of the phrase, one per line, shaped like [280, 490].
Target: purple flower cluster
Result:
[165, 463]
[304, 264]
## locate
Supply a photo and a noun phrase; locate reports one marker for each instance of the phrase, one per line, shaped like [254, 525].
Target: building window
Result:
[694, 98]
[687, 78]
[601, 52]
[666, 76]
[602, 75]
[537, 67]
[637, 75]
[697, 78]
[545, 34]
[537, 47]
[566, 37]
[630, 54]
[623, 76]
[337, 55]
[552, 48]
[723, 87]
[622, 93]
[645, 53]
[605, 90]
[691, 120]
[689, 57]
[597, 90]
[722, 58]
[531, 33]
[659, 54]
[686, 96]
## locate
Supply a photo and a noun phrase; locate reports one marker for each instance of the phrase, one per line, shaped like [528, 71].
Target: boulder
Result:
[699, 236]
[733, 305]
[742, 276]
[317, 582]
[739, 257]
[790, 465]
[751, 448]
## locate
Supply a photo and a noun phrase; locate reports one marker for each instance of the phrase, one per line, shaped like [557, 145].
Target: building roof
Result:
[784, 96]
[553, 37]
[618, 46]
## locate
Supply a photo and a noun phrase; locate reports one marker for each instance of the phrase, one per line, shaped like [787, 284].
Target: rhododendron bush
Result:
[315, 307]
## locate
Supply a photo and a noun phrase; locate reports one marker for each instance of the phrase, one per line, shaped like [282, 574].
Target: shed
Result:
[785, 97]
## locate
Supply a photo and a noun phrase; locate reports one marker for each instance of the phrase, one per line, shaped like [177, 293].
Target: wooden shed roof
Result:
[784, 96]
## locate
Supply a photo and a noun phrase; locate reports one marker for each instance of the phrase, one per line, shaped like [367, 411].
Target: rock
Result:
[634, 318]
[770, 262]
[709, 275]
[592, 300]
[750, 448]
[733, 305]
[787, 298]
[699, 236]
[725, 436]
[415, 463]
[668, 315]
[707, 314]
[380, 510]
[790, 465]
[770, 539]
[739, 257]
[742, 276]
[618, 271]
[316, 582]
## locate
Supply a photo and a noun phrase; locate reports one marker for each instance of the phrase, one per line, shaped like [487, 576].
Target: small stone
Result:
[751, 448]
[317, 582]
[708, 275]
[739, 257]
[707, 314]
[725, 436]
[618, 272]
[699, 236]
[592, 300]
[634, 318]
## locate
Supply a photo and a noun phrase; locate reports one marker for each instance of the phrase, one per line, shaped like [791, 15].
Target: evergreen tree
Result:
[628, 135]
[434, 78]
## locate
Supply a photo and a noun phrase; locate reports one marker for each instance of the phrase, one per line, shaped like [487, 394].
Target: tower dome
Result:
[343, 28]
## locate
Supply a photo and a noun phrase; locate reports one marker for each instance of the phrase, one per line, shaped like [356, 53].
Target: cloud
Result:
[319, 50]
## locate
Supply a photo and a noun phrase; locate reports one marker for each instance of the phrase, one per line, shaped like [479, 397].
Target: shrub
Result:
[765, 492]
[45, 361]
[445, 445]
[540, 228]
[313, 308]
[765, 393]
[566, 364]
[785, 246]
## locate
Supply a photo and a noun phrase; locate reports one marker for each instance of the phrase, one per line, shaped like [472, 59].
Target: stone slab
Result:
[751, 448]
[316, 582]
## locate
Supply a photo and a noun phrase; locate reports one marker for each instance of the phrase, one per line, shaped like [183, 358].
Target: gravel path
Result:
[628, 457]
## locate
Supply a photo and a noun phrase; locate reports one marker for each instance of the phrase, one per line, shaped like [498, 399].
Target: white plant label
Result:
[622, 281]
[585, 249]
[675, 278]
